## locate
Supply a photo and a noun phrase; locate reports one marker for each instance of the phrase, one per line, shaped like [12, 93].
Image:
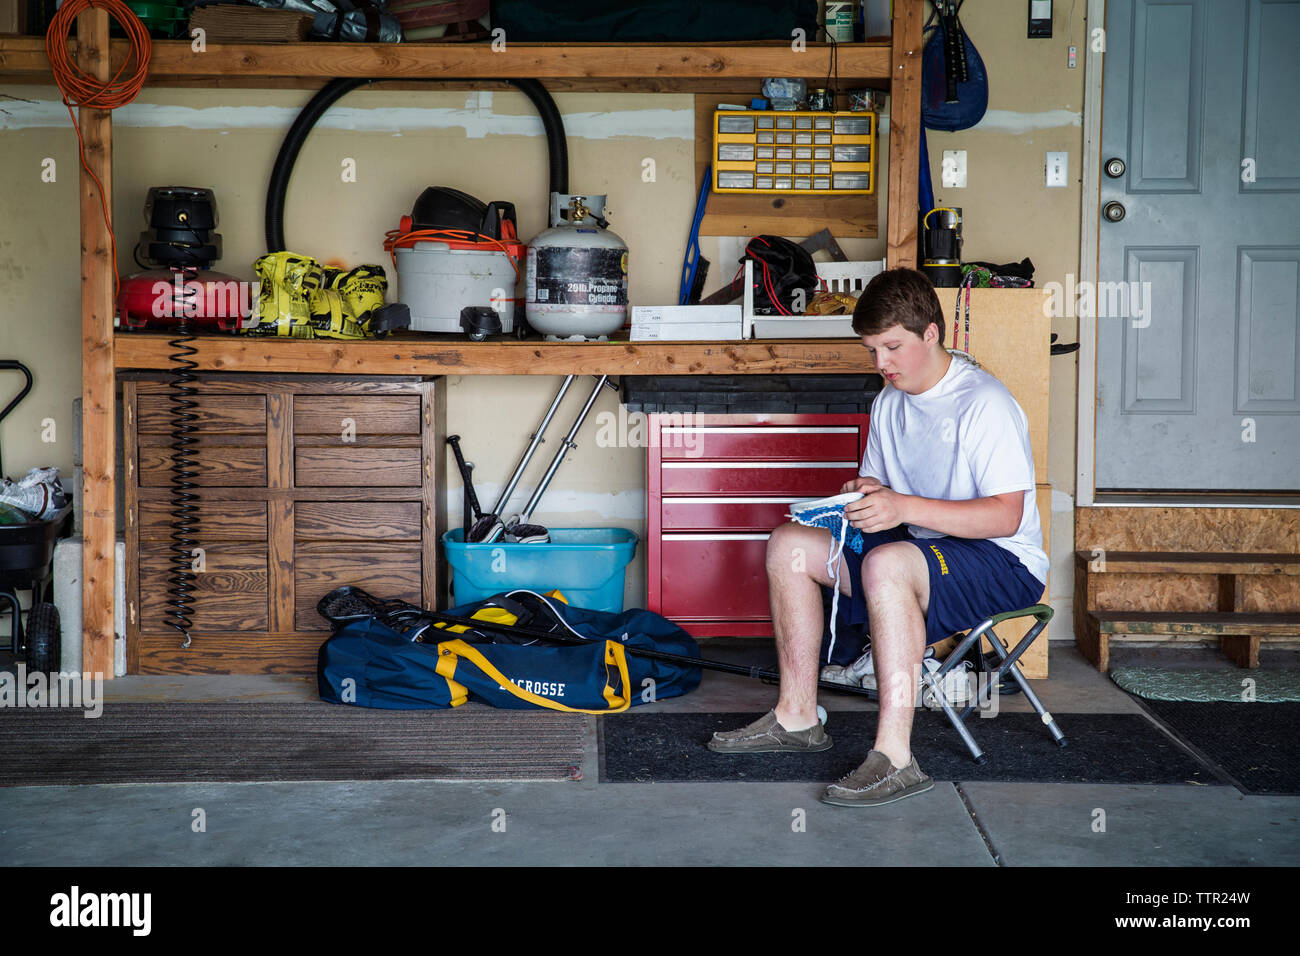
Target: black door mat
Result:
[1103, 748]
[1256, 744]
[263, 742]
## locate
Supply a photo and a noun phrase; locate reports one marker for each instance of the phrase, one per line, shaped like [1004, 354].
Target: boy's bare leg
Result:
[796, 567]
[896, 579]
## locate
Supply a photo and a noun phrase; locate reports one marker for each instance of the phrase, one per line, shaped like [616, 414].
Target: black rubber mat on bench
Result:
[1103, 748]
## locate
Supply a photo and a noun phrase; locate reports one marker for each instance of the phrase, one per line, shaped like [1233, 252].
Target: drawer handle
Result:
[754, 430]
[759, 464]
[723, 500]
[715, 537]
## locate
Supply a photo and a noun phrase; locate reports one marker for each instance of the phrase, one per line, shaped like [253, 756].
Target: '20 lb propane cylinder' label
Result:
[562, 275]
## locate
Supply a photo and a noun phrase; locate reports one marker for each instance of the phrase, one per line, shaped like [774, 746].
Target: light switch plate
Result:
[1058, 167]
[954, 169]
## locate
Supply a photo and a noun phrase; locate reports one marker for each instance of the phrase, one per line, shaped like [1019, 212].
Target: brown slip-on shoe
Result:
[877, 782]
[766, 735]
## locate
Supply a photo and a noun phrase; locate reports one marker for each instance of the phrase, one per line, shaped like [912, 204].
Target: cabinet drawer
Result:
[214, 414]
[229, 592]
[367, 414]
[726, 514]
[216, 466]
[363, 466]
[386, 572]
[719, 576]
[807, 479]
[357, 521]
[761, 442]
[218, 520]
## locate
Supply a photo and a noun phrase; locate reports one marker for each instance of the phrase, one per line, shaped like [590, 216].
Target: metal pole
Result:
[565, 445]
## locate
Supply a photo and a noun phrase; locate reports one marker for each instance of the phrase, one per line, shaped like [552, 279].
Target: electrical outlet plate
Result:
[954, 169]
[1058, 167]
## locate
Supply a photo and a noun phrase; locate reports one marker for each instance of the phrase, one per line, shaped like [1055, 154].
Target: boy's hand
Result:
[864, 485]
[880, 510]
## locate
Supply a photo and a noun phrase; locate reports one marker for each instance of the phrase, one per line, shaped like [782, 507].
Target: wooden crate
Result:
[304, 483]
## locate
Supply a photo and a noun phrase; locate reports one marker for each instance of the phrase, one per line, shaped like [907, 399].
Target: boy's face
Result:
[908, 361]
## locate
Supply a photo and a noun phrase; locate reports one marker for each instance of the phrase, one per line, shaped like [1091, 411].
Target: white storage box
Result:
[850, 277]
[686, 323]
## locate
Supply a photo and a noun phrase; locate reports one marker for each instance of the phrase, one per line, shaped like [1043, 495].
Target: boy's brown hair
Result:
[898, 297]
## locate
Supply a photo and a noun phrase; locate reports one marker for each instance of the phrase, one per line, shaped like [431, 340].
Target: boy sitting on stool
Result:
[951, 536]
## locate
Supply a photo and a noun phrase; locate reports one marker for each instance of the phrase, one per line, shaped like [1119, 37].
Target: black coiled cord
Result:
[184, 510]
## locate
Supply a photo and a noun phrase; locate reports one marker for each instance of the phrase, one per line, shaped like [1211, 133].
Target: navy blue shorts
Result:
[970, 579]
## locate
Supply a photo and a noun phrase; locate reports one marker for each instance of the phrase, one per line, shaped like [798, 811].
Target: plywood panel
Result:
[1269, 530]
[1271, 594]
[1011, 339]
[1150, 592]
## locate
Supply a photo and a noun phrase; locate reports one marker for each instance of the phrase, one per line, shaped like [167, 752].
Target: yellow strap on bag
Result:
[450, 653]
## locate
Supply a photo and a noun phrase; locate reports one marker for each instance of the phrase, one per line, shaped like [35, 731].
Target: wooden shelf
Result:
[688, 67]
[623, 66]
[446, 355]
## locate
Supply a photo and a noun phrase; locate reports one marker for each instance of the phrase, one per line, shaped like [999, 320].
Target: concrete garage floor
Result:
[590, 823]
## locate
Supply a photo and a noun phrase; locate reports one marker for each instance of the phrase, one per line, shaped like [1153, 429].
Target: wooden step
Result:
[1239, 633]
[1218, 624]
[1100, 561]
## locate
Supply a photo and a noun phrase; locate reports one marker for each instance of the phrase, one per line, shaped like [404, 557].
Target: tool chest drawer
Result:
[760, 443]
[300, 484]
[716, 487]
[817, 478]
[725, 512]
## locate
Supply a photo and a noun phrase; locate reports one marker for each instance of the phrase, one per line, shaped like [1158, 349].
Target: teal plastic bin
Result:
[587, 564]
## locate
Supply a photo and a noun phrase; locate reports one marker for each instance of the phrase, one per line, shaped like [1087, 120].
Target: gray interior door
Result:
[1198, 299]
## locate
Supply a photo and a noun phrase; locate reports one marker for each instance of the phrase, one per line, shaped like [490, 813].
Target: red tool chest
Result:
[717, 486]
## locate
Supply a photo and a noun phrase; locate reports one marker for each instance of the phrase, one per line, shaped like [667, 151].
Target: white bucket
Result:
[437, 281]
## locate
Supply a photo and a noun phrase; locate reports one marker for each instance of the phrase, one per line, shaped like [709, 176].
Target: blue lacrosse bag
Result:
[368, 664]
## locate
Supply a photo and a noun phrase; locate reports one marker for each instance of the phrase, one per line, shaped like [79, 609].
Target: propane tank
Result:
[576, 275]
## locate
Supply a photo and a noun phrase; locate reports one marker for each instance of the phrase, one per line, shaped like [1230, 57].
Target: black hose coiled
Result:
[557, 146]
[184, 510]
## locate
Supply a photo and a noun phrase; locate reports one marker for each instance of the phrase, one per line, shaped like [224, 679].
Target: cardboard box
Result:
[686, 323]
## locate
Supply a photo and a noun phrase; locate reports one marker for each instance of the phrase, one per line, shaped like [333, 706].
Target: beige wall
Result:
[1035, 105]
[403, 141]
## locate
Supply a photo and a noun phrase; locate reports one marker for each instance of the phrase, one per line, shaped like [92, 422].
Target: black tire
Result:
[43, 639]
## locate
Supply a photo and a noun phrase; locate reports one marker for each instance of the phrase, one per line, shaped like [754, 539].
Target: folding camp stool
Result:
[1007, 664]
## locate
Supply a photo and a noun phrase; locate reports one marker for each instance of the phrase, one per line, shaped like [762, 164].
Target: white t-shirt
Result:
[963, 438]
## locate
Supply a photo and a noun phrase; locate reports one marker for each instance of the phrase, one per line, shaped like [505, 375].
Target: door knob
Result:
[1113, 211]
[1115, 167]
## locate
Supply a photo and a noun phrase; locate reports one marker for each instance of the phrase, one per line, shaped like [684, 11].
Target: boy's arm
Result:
[998, 516]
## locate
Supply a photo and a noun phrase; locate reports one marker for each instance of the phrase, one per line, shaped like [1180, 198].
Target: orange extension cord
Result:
[395, 239]
[80, 88]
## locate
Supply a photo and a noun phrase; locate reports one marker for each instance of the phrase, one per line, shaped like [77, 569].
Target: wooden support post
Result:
[1093, 644]
[98, 428]
[1242, 650]
[905, 133]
